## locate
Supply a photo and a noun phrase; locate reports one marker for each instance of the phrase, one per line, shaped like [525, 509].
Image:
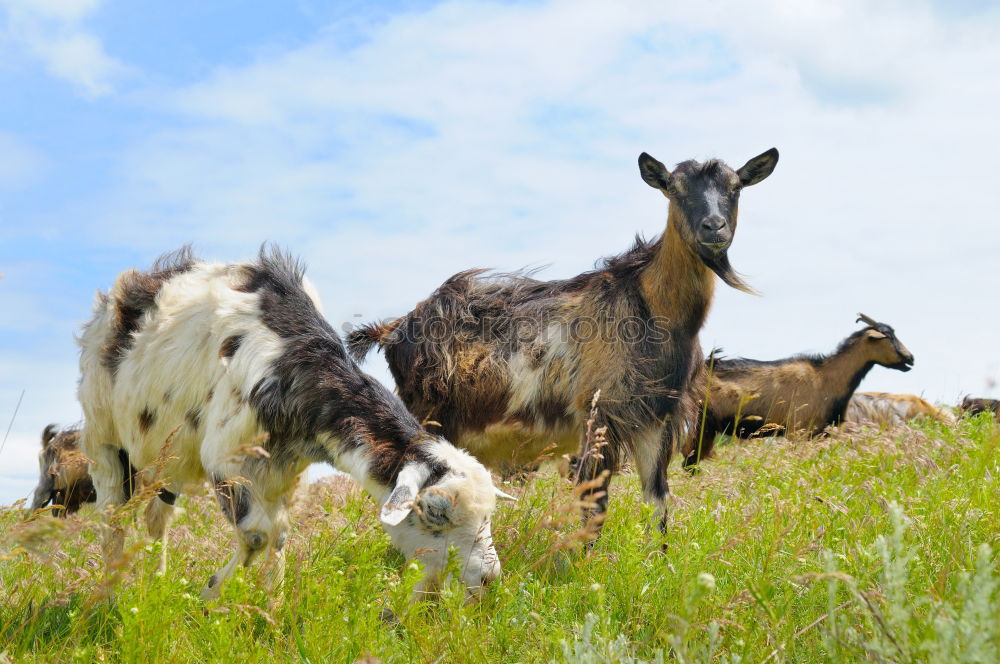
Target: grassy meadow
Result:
[863, 546]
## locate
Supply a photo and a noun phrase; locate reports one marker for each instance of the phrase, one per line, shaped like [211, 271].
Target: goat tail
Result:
[361, 340]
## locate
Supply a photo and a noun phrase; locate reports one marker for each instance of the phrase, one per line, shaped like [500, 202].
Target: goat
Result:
[800, 393]
[507, 365]
[974, 406]
[230, 372]
[64, 477]
[889, 410]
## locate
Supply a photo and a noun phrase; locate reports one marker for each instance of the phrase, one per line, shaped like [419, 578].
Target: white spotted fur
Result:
[174, 365]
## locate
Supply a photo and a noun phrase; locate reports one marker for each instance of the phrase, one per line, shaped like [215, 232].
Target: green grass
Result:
[859, 547]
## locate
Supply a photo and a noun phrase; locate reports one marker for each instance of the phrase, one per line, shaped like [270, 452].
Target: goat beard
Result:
[719, 263]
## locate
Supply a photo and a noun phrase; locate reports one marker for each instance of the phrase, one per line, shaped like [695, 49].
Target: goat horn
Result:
[504, 496]
[867, 320]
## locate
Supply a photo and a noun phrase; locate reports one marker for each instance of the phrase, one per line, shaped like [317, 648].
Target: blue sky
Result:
[392, 144]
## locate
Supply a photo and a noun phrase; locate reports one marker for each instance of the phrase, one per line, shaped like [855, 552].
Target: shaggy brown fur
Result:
[889, 410]
[801, 393]
[64, 479]
[507, 365]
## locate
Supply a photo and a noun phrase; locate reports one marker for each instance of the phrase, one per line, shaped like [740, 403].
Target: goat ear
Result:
[874, 334]
[758, 168]
[400, 500]
[656, 174]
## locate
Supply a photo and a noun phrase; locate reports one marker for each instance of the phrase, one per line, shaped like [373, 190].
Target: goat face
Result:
[708, 195]
[884, 348]
[426, 516]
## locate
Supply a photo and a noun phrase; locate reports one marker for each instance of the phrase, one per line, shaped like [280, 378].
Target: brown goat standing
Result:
[800, 393]
[508, 365]
[64, 472]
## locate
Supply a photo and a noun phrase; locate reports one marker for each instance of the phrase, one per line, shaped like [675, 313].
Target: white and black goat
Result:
[217, 360]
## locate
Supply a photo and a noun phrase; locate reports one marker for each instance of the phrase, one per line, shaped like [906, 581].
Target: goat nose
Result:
[713, 222]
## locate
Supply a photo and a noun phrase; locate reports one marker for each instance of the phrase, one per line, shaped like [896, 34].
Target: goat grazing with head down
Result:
[800, 393]
[64, 477]
[229, 372]
[507, 365]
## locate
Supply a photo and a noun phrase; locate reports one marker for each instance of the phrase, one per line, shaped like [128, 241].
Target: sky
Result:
[391, 144]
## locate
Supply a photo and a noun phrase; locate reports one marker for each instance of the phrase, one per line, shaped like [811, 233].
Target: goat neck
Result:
[846, 369]
[677, 285]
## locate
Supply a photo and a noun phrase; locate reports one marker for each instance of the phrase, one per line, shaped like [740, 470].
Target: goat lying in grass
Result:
[200, 370]
[800, 393]
[64, 472]
[889, 410]
[508, 365]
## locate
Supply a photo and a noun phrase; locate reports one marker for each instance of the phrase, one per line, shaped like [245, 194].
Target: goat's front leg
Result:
[256, 505]
[109, 476]
[701, 442]
[158, 514]
[652, 453]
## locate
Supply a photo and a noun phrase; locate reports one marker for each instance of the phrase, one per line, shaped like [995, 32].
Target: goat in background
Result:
[890, 410]
[801, 393]
[64, 472]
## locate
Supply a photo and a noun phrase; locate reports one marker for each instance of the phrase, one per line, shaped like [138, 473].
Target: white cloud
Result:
[478, 134]
[494, 135]
[53, 32]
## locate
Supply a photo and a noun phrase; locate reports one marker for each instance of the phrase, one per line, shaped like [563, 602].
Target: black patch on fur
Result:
[230, 345]
[839, 406]
[234, 499]
[130, 477]
[193, 418]
[136, 294]
[169, 497]
[146, 419]
[315, 388]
